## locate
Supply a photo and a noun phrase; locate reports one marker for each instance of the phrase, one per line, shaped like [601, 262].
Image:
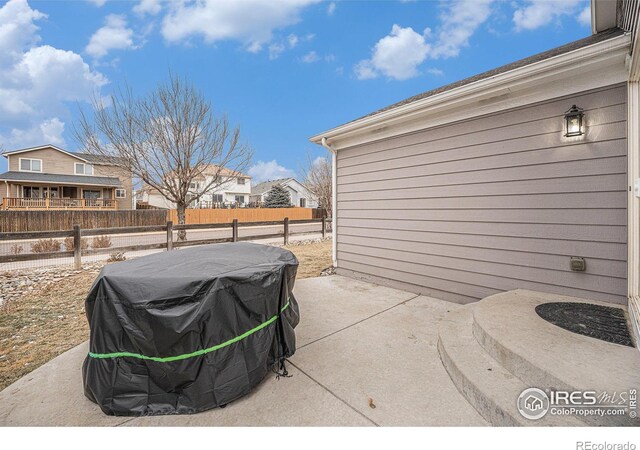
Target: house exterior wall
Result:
[53, 161]
[228, 189]
[56, 162]
[494, 203]
[296, 191]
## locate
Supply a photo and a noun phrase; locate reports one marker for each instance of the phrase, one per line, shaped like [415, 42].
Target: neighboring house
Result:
[492, 183]
[48, 177]
[300, 196]
[233, 191]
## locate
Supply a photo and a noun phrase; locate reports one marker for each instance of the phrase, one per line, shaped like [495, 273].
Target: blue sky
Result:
[283, 70]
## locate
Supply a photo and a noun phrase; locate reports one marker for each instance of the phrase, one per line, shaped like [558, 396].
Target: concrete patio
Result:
[367, 356]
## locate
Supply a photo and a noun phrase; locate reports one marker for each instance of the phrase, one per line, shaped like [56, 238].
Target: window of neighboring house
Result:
[303, 203]
[240, 199]
[84, 169]
[31, 191]
[91, 194]
[121, 193]
[217, 198]
[241, 180]
[194, 186]
[30, 165]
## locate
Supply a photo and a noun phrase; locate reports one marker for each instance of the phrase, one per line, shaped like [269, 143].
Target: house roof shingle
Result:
[266, 186]
[37, 177]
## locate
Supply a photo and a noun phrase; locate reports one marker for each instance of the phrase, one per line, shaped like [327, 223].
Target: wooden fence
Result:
[23, 221]
[77, 234]
[195, 216]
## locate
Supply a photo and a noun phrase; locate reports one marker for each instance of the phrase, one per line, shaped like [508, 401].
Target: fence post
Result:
[77, 248]
[169, 235]
[324, 227]
[234, 227]
[286, 231]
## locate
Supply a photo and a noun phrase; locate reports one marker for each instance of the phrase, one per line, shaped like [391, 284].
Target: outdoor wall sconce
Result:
[574, 121]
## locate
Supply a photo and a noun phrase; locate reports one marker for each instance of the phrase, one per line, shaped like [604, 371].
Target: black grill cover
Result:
[184, 331]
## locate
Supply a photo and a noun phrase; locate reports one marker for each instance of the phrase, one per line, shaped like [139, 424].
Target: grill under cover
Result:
[184, 331]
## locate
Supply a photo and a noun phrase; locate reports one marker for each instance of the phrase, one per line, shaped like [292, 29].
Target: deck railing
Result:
[58, 203]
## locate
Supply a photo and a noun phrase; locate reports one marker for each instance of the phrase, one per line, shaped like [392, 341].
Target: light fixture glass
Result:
[574, 119]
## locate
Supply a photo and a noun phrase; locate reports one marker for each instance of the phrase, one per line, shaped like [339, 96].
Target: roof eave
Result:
[608, 49]
[40, 147]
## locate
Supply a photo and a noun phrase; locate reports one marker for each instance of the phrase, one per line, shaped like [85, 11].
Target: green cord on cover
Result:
[196, 353]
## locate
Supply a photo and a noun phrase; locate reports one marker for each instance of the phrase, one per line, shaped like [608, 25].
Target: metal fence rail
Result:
[132, 239]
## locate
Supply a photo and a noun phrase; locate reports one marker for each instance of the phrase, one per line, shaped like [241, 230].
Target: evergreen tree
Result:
[278, 197]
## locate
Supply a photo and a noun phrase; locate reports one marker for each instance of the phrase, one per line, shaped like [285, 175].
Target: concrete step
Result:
[543, 355]
[490, 388]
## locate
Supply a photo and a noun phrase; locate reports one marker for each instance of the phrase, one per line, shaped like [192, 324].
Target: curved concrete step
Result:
[543, 355]
[486, 385]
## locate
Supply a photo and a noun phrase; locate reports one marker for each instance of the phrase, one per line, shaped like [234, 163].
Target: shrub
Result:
[16, 249]
[101, 242]
[46, 246]
[116, 256]
[68, 244]
[278, 197]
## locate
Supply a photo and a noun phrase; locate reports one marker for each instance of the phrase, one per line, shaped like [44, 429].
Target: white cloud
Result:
[399, 54]
[37, 81]
[537, 13]
[265, 171]
[275, 50]
[293, 40]
[459, 21]
[331, 8]
[436, 72]
[251, 22]
[52, 131]
[310, 57]
[147, 7]
[98, 3]
[584, 18]
[319, 161]
[114, 35]
[49, 131]
[279, 46]
[17, 30]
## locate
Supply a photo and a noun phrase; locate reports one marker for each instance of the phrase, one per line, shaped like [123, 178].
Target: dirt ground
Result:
[44, 323]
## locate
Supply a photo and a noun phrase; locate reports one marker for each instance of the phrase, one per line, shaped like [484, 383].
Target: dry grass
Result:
[313, 258]
[44, 323]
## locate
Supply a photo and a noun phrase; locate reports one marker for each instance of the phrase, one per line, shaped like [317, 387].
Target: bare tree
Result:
[317, 179]
[167, 139]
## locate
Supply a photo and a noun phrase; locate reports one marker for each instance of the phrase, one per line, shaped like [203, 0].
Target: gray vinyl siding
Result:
[490, 204]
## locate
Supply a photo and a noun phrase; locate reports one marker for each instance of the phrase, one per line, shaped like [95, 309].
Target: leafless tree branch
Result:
[317, 179]
[167, 139]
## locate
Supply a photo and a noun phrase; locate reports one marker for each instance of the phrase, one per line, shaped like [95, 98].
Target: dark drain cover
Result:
[600, 322]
